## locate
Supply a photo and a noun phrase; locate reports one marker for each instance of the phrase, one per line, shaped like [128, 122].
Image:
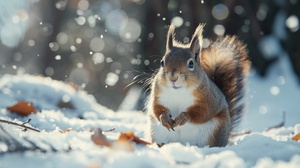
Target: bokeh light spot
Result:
[115, 20]
[281, 80]
[97, 44]
[98, 58]
[83, 5]
[220, 12]
[62, 38]
[292, 22]
[130, 31]
[274, 90]
[79, 76]
[263, 109]
[80, 20]
[57, 57]
[111, 79]
[54, 46]
[219, 30]
[61, 5]
[177, 21]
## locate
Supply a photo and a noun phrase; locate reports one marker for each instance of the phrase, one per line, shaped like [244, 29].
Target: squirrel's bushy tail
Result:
[226, 63]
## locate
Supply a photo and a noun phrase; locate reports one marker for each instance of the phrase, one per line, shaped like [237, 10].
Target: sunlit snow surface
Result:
[266, 98]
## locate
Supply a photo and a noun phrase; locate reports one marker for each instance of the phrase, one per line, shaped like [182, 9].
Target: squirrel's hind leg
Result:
[221, 133]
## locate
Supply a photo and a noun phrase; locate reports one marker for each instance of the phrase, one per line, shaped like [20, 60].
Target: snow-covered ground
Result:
[267, 99]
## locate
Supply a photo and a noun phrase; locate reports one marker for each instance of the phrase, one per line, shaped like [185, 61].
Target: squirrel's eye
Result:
[162, 64]
[190, 64]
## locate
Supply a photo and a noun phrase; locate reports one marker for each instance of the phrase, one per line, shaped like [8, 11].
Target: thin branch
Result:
[235, 134]
[109, 130]
[15, 145]
[26, 122]
[21, 125]
[281, 124]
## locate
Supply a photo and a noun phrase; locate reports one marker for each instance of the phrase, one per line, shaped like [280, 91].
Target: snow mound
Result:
[47, 94]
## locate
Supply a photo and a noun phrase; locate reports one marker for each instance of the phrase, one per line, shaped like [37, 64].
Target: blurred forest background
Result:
[101, 45]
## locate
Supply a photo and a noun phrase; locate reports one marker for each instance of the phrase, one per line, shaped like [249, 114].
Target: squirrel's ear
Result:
[170, 37]
[196, 42]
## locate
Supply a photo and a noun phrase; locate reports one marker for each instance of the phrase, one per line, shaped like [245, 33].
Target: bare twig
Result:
[281, 124]
[235, 134]
[15, 143]
[21, 125]
[26, 122]
[109, 130]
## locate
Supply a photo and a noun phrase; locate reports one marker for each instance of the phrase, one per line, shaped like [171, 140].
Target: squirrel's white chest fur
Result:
[177, 101]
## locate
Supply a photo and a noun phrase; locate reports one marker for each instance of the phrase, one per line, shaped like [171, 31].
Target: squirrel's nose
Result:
[173, 78]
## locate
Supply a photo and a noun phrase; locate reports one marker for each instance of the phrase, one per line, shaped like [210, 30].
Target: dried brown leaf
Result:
[99, 139]
[22, 108]
[74, 86]
[66, 130]
[296, 137]
[123, 144]
[129, 136]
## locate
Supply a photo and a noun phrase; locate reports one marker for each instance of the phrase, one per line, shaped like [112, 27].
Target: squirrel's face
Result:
[179, 66]
[179, 69]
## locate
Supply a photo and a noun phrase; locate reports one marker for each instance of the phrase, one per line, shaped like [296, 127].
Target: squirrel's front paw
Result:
[166, 120]
[181, 119]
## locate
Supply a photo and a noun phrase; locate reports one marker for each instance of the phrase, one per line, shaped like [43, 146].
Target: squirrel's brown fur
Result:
[201, 88]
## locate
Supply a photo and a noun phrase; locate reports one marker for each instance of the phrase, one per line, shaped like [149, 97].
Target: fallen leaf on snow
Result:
[129, 136]
[123, 144]
[74, 86]
[22, 108]
[296, 137]
[125, 141]
[66, 130]
[99, 139]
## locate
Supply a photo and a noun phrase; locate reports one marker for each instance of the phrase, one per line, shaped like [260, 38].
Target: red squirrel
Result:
[196, 93]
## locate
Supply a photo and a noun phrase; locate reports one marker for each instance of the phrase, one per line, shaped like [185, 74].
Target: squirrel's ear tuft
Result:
[196, 42]
[170, 37]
